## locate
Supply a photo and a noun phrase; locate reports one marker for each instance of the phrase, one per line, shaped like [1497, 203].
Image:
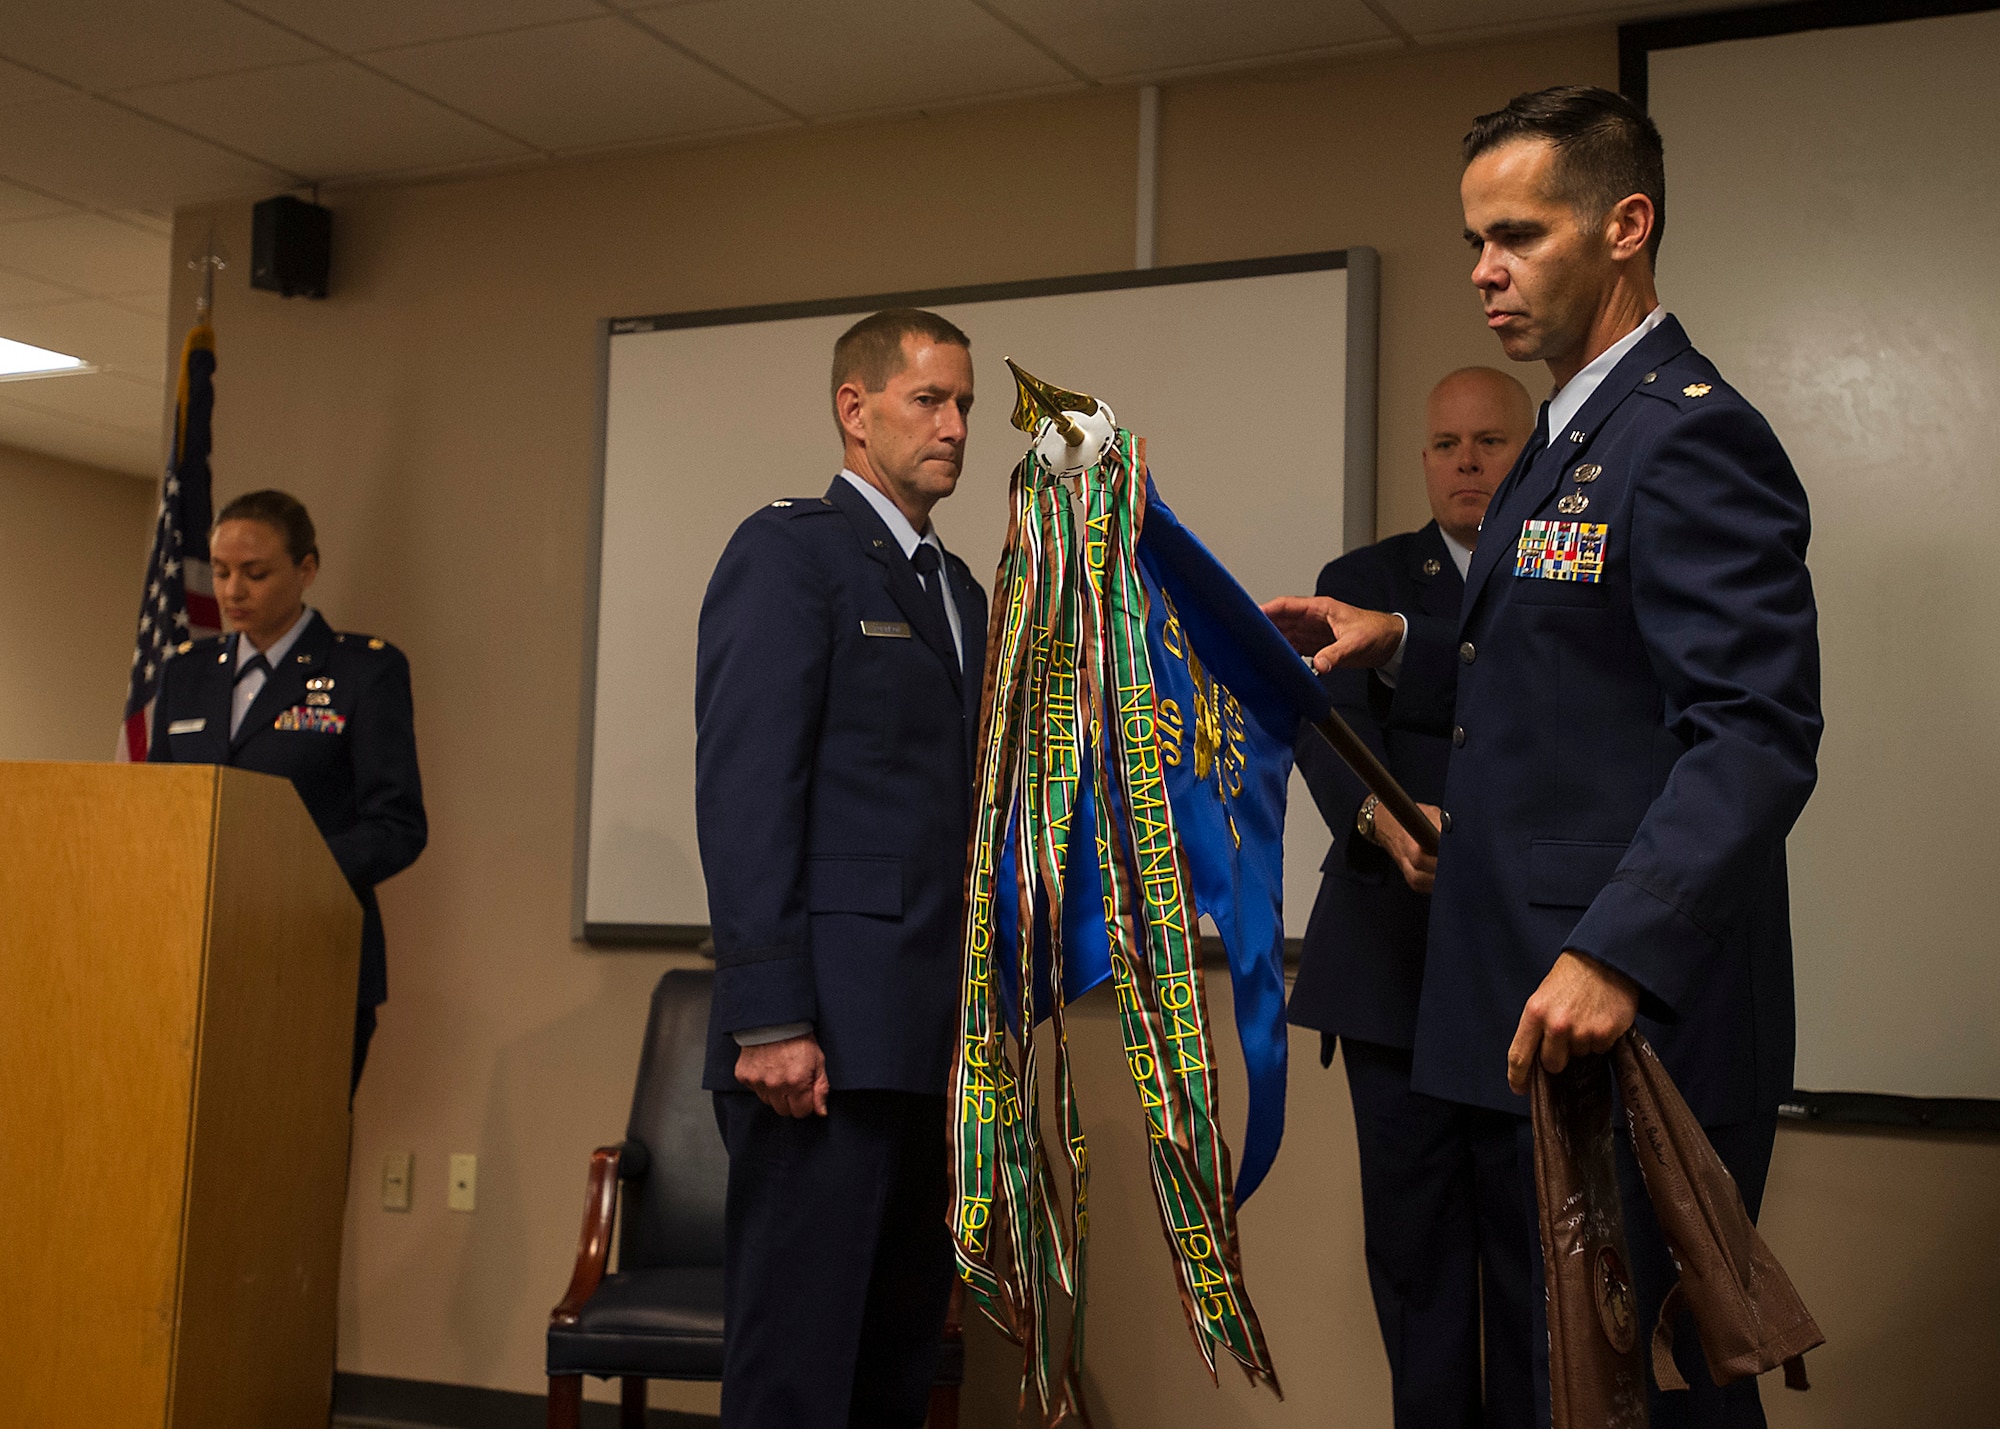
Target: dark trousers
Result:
[836, 1263]
[1746, 1150]
[1438, 1203]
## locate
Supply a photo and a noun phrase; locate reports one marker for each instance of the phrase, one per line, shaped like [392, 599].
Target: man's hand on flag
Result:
[1419, 869]
[1334, 634]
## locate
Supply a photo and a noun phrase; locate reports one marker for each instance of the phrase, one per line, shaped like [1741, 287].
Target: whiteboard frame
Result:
[1358, 457]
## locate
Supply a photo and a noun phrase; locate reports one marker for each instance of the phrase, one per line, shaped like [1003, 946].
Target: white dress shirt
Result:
[248, 688]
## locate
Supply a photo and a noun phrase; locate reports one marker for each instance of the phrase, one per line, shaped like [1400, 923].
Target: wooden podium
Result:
[178, 959]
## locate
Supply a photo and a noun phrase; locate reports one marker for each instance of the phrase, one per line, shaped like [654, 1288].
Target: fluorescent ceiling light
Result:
[19, 360]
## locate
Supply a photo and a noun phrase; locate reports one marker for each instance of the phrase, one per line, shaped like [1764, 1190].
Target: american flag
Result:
[179, 600]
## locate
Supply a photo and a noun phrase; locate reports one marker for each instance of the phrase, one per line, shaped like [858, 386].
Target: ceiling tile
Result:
[96, 331]
[1116, 38]
[77, 438]
[153, 304]
[110, 44]
[112, 398]
[569, 86]
[331, 119]
[97, 154]
[864, 55]
[355, 25]
[20, 86]
[1434, 20]
[86, 251]
[17, 203]
[19, 290]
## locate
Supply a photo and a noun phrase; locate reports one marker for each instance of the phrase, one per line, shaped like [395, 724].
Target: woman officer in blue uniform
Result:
[285, 694]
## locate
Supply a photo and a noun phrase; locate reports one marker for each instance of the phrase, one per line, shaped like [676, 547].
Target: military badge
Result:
[1560, 551]
[307, 719]
[1573, 504]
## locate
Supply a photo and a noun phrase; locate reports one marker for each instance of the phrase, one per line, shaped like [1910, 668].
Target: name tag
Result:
[1561, 551]
[187, 726]
[887, 629]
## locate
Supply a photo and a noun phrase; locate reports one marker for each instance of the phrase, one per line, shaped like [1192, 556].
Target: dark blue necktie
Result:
[930, 570]
[255, 662]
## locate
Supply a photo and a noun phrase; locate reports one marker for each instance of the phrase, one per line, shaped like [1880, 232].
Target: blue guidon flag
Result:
[178, 604]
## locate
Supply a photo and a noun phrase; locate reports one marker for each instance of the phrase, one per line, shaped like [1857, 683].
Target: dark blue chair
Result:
[659, 1315]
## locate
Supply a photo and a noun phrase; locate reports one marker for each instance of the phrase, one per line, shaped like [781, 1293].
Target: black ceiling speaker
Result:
[291, 247]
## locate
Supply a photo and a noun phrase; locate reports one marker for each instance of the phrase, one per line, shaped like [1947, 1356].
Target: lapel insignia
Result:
[1696, 389]
[1573, 504]
[1560, 551]
[1578, 436]
[303, 659]
[1432, 566]
[1589, 471]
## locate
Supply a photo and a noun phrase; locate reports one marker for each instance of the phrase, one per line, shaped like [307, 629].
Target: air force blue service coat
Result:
[353, 758]
[1362, 965]
[1631, 751]
[833, 784]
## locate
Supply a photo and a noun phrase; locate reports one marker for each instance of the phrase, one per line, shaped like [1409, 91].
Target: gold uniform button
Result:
[1466, 653]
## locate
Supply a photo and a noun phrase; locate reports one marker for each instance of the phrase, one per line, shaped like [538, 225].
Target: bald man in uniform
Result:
[1433, 1207]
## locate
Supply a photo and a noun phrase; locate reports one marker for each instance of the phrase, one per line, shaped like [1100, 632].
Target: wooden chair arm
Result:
[593, 1245]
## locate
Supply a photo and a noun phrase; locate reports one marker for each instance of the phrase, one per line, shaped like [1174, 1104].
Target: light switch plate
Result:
[396, 1169]
[463, 1192]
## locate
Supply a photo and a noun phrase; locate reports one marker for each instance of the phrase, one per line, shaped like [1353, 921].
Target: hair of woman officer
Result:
[264, 554]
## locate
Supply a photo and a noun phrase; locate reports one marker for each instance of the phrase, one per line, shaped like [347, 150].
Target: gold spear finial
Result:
[1037, 399]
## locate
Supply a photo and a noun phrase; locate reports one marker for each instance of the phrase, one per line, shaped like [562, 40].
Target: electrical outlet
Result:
[463, 1194]
[396, 1169]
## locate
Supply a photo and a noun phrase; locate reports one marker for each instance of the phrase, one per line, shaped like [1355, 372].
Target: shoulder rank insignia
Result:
[377, 643]
[782, 503]
[184, 647]
[1696, 389]
[1561, 551]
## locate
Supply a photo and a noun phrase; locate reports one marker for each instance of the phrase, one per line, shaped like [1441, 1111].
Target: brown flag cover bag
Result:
[1747, 1313]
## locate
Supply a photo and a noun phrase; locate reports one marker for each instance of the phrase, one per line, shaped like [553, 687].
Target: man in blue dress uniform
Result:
[837, 692]
[1636, 719]
[1432, 1205]
[286, 694]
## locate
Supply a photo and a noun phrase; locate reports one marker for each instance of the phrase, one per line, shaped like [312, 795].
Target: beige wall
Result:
[76, 539]
[438, 413]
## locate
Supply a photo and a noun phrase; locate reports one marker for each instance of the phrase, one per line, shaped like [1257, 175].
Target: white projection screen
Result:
[1831, 195]
[1253, 383]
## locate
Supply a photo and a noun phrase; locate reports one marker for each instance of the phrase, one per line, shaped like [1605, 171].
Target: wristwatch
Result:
[1364, 821]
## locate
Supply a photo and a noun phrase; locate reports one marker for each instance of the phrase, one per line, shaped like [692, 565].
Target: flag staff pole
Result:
[1381, 783]
[208, 262]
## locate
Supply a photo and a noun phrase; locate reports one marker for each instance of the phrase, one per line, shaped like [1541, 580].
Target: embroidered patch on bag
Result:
[1561, 551]
[309, 720]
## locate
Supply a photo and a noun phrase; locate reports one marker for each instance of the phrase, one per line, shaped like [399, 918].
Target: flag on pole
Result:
[1137, 730]
[178, 603]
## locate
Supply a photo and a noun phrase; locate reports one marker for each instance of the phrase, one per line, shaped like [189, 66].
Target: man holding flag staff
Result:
[1636, 716]
[1434, 1208]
